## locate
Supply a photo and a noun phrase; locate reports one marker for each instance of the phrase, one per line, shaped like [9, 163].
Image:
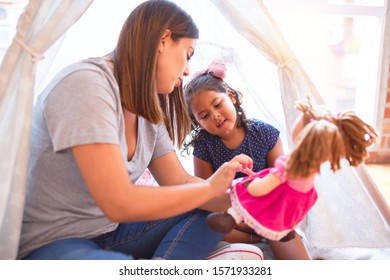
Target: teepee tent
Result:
[329, 228]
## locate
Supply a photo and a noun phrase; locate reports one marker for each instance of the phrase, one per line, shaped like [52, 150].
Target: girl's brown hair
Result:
[328, 137]
[135, 60]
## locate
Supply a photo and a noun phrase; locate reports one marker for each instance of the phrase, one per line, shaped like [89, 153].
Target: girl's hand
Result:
[223, 177]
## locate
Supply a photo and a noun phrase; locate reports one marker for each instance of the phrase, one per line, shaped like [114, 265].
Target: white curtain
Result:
[257, 26]
[350, 213]
[42, 23]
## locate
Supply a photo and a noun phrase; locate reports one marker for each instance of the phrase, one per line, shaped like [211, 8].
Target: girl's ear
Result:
[231, 96]
[165, 37]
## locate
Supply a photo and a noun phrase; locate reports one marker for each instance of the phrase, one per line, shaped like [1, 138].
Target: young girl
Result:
[221, 130]
[275, 200]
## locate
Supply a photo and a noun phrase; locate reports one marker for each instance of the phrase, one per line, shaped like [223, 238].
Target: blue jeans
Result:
[184, 237]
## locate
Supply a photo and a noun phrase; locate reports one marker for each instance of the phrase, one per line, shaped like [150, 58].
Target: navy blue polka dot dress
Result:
[260, 139]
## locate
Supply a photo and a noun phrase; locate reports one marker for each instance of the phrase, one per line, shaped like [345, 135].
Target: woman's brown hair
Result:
[135, 60]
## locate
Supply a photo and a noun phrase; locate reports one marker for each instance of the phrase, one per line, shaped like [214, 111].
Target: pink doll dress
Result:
[275, 214]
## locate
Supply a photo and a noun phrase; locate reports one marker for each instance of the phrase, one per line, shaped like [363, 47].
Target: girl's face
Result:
[215, 112]
[172, 62]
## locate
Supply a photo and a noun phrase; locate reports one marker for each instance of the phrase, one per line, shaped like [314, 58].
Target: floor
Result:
[381, 176]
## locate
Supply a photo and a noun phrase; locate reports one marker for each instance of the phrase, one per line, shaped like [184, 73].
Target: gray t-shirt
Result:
[80, 106]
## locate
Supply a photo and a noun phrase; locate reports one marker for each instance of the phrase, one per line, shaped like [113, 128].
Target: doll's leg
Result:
[221, 222]
[288, 237]
[290, 250]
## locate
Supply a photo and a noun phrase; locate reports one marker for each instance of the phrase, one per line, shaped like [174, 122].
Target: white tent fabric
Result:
[252, 30]
[259, 29]
[42, 23]
[349, 219]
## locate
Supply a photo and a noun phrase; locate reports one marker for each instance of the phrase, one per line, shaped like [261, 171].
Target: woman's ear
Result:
[165, 37]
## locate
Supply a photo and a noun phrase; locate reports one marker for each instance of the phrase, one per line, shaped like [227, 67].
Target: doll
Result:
[275, 200]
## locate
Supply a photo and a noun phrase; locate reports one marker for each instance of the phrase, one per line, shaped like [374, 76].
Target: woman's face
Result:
[172, 62]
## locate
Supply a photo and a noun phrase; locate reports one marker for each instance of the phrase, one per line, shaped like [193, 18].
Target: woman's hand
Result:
[223, 177]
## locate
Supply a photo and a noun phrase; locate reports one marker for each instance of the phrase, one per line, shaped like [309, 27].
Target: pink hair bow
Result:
[217, 68]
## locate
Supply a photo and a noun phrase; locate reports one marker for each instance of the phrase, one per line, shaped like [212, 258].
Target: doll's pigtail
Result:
[357, 137]
[312, 113]
[306, 108]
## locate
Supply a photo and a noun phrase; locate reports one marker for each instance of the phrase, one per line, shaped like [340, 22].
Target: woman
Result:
[97, 126]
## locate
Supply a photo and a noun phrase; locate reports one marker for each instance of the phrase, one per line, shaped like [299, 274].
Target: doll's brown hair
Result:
[328, 137]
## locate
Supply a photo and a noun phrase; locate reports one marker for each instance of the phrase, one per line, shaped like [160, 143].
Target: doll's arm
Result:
[262, 186]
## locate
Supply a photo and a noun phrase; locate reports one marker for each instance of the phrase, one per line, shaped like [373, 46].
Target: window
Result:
[359, 2]
[339, 43]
